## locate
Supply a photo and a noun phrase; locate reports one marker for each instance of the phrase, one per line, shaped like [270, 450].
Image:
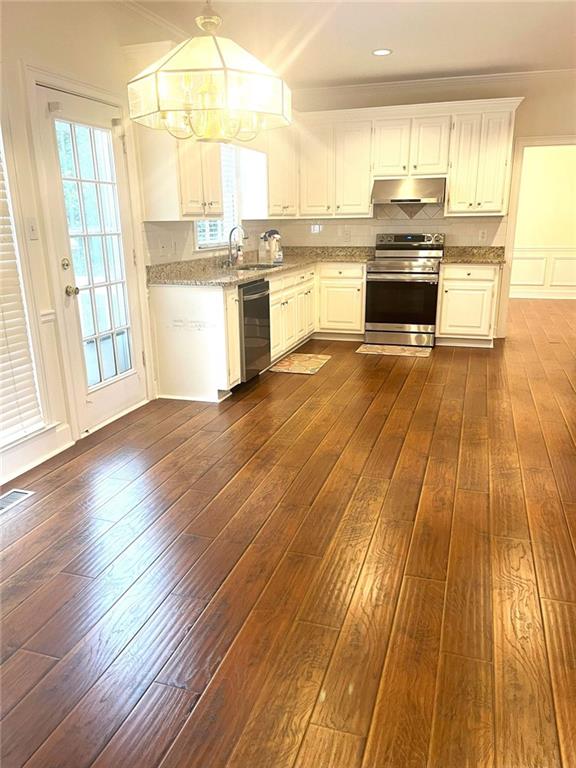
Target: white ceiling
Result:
[330, 43]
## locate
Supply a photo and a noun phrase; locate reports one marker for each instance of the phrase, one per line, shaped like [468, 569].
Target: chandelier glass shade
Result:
[211, 89]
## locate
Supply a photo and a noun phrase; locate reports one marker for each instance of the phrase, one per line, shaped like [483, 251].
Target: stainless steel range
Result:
[402, 289]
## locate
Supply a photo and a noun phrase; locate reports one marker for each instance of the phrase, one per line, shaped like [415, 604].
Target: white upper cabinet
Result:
[282, 173]
[352, 168]
[317, 169]
[464, 156]
[479, 173]
[200, 179]
[391, 147]
[491, 190]
[430, 139]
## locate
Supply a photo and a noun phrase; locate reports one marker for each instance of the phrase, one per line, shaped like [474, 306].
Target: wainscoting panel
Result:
[543, 273]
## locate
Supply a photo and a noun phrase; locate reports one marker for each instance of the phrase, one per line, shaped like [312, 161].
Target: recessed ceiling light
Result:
[382, 52]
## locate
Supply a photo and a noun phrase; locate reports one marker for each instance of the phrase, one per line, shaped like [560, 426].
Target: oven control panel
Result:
[419, 240]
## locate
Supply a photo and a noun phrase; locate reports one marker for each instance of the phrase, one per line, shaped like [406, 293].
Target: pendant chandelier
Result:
[210, 89]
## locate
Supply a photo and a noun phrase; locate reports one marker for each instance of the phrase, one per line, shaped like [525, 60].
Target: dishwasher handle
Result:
[252, 296]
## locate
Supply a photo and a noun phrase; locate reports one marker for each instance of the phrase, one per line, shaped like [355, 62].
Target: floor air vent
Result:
[13, 497]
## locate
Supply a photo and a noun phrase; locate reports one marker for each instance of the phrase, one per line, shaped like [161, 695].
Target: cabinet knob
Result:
[414, 166]
[358, 289]
[468, 274]
[446, 290]
[337, 207]
[339, 272]
[328, 207]
[478, 203]
[403, 167]
[470, 205]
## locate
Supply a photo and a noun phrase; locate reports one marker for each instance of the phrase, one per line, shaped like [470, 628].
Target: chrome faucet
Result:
[232, 260]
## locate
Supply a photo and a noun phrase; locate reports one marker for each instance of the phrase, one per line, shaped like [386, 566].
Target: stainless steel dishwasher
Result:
[254, 328]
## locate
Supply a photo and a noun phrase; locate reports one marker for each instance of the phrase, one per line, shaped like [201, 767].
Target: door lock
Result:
[65, 263]
[71, 290]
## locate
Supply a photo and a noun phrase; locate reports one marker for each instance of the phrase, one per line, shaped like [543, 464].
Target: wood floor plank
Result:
[468, 610]
[349, 689]
[325, 748]
[32, 721]
[524, 711]
[278, 722]
[139, 742]
[82, 735]
[400, 731]
[19, 675]
[223, 710]
[428, 557]
[560, 624]
[37, 610]
[327, 602]
[463, 727]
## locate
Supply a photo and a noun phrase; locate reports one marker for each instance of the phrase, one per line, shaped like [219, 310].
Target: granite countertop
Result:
[471, 254]
[213, 271]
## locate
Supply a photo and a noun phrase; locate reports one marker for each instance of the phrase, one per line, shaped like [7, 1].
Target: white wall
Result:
[83, 42]
[544, 255]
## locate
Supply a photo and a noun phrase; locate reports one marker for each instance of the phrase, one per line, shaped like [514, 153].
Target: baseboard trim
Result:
[451, 341]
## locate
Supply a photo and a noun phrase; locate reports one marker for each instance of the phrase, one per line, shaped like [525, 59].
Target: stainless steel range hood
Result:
[405, 191]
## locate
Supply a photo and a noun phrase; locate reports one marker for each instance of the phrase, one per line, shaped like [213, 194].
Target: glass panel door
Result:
[93, 220]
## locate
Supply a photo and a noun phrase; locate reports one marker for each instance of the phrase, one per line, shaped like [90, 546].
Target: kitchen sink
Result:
[256, 267]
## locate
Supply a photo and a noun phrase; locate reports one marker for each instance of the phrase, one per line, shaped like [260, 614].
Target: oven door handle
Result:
[401, 277]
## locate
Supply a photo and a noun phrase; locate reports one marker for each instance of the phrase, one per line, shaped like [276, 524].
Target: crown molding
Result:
[435, 82]
[138, 9]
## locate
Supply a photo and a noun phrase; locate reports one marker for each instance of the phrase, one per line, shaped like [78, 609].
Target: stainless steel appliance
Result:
[254, 328]
[408, 191]
[402, 289]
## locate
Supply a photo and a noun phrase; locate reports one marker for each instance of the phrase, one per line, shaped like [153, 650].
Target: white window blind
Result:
[20, 412]
[213, 233]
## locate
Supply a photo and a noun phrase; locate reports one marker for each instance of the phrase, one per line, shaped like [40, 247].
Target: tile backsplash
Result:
[174, 241]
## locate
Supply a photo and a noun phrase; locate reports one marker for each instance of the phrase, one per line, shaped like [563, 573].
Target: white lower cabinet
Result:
[341, 305]
[467, 302]
[276, 325]
[233, 337]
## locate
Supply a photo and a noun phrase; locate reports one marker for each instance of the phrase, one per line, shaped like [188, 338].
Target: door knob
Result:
[71, 290]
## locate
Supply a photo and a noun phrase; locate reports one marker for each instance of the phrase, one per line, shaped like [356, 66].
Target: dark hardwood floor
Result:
[373, 566]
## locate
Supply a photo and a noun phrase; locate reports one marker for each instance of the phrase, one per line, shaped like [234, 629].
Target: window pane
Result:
[118, 305]
[86, 314]
[77, 245]
[92, 365]
[65, 149]
[214, 232]
[107, 355]
[122, 351]
[91, 212]
[104, 155]
[109, 212]
[72, 204]
[96, 249]
[84, 152]
[114, 257]
[102, 309]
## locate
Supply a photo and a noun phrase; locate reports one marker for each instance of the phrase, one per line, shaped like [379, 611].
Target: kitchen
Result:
[288, 411]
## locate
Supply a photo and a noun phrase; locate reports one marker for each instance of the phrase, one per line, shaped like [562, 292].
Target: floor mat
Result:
[296, 363]
[391, 349]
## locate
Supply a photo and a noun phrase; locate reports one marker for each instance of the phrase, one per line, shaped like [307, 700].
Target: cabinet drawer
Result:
[342, 270]
[468, 272]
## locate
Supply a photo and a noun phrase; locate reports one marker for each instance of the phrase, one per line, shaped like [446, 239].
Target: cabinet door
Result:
[341, 305]
[191, 189]
[212, 179]
[466, 309]
[233, 337]
[493, 164]
[316, 170]
[290, 319]
[429, 145]
[282, 173]
[276, 326]
[464, 156]
[310, 309]
[352, 168]
[301, 312]
[390, 147]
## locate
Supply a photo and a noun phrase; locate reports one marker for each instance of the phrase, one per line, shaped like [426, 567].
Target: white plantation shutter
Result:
[20, 412]
[212, 233]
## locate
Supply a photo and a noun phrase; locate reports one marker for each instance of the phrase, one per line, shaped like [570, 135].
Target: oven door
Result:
[401, 302]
